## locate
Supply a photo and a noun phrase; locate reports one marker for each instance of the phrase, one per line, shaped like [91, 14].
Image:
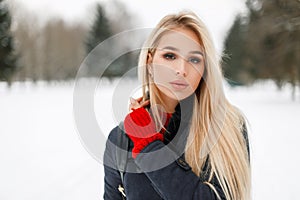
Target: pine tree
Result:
[99, 32]
[100, 29]
[7, 56]
[104, 26]
[234, 53]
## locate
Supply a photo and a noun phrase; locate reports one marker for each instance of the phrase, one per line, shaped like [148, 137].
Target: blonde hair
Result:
[216, 126]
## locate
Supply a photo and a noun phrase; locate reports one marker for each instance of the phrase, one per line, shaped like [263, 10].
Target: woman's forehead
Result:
[182, 39]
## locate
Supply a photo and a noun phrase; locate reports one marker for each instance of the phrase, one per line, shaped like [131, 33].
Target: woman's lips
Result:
[179, 84]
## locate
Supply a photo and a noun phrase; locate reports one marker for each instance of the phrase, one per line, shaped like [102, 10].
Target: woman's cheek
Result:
[162, 71]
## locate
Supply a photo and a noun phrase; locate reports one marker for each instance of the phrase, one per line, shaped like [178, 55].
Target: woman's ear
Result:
[149, 58]
[149, 63]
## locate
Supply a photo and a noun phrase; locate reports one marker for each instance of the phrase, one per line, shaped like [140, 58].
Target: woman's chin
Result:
[178, 96]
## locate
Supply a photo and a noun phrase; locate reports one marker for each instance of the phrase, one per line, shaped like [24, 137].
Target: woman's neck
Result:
[169, 103]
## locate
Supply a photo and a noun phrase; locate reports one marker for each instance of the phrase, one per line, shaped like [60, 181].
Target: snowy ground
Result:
[42, 157]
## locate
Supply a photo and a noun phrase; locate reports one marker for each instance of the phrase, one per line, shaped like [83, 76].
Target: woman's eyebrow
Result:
[175, 49]
[170, 48]
[197, 52]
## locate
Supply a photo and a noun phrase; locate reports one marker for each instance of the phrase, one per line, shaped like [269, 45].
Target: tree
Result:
[63, 49]
[270, 43]
[107, 24]
[7, 55]
[99, 32]
[276, 28]
[234, 57]
[47, 50]
[122, 20]
[281, 43]
[100, 29]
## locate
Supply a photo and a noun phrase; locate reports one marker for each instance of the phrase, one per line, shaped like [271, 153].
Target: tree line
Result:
[264, 44]
[261, 44]
[54, 50]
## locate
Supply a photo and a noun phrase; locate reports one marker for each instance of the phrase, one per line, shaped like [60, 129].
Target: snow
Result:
[42, 155]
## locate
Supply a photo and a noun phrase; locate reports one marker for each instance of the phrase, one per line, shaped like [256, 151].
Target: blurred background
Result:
[44, 42]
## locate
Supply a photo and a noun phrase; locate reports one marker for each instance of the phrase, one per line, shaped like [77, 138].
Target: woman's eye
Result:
[194, 60]
[169, 56]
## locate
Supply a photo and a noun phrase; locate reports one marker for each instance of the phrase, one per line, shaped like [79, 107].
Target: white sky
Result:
[218, 15]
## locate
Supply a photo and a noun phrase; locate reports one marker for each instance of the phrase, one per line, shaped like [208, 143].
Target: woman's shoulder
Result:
[113, 134]
[112, 147]
[118, 138]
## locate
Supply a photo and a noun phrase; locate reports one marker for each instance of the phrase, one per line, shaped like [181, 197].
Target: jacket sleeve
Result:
[174, 181]
[111, 176]
[111, 183]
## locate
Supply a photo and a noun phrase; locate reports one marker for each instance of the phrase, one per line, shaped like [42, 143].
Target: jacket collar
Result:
[180, 121]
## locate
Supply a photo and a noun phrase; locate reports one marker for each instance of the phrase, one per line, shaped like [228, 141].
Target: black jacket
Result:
[147, 178]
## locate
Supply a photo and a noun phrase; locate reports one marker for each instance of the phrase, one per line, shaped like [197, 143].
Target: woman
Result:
[186, 140]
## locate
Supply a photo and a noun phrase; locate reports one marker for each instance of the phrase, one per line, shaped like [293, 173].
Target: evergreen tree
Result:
[234, 53]
[122, 20]
[99, 32]
[100, 29]
[103, 27]
[7, 56]
[269, 46]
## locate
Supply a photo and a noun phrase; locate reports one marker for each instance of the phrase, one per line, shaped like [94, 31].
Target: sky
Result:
[218, 15]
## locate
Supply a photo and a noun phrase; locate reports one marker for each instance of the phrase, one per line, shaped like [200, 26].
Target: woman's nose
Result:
[181, 67]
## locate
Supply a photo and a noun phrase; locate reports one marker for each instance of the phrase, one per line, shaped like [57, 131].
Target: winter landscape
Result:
[52, 136]
[43, 157]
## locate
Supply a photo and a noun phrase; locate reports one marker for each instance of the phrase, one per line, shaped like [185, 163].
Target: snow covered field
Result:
[43, 158]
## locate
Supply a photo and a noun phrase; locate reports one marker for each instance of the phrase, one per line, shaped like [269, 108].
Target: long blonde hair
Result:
[216, 126]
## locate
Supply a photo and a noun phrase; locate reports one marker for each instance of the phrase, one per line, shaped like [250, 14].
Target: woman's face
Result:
[177, 64]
